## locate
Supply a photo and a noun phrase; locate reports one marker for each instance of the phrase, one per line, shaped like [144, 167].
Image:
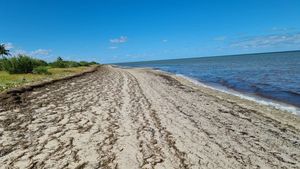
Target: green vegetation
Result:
[41, 70]
[13, 80]
[25, 64]
[3, 52]
[19, 64]
[1, 62]
[21, 69]
[60, 63]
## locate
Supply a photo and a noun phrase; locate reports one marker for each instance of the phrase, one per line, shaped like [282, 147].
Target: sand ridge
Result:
[138, 118]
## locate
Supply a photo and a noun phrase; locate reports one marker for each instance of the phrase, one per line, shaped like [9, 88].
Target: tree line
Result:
[26, 64]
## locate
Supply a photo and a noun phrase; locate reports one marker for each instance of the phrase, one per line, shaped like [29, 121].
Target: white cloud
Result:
[273, 40]
[40, 52]
[165, 40]
[121, 39]
[19, 51]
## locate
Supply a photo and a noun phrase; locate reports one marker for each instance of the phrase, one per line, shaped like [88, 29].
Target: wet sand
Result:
[139, 118]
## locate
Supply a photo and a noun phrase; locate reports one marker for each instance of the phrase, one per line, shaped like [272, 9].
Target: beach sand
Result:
[140, 118]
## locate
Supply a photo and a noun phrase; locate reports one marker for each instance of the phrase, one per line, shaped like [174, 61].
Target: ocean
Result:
[268, 78]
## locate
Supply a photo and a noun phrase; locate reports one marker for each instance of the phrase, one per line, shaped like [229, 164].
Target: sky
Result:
[112, 31]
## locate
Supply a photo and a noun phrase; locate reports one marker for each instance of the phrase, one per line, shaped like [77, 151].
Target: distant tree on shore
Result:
[26, 64]
[61, 63]
[60, 59]
[18, 64]
[3, 50]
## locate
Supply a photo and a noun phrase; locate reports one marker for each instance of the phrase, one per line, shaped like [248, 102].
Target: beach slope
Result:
[140, 118]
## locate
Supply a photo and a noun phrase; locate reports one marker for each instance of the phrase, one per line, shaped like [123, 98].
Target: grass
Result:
[13, 80]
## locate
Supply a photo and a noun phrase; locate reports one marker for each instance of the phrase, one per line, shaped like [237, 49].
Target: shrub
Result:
[94, 63]
[18, 64]
[41, 70]
[1, 64]
[84, 63]
[72, 64]
[64, 64]
[26, 64]
[59, 63]
[39, 62]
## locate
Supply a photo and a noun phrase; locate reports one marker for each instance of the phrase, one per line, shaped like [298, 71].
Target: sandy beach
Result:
[141, 118]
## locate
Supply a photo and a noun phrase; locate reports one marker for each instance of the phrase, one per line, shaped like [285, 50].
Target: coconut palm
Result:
[3, 50]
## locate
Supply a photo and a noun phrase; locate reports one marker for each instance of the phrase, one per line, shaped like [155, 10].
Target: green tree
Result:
[3, 50]
[60, 63]
[59, 59]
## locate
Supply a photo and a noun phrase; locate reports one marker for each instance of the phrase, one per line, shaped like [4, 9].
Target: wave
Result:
[292, 92]
[256, 98]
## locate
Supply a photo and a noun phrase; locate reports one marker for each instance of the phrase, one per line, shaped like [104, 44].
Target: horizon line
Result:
[255, 53]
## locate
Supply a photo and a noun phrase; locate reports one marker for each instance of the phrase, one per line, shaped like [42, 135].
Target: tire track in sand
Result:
[155, 142]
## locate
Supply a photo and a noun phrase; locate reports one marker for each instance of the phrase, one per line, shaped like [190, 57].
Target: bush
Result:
[83, 63]
[94, 63]
[26, 64]
[39, 62]
[72, 64]
[1, 64]
[18, 64]
[60, 63]
[64, 64]
[41, 70]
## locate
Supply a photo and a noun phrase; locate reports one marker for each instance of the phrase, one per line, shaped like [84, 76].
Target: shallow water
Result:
[275, 76]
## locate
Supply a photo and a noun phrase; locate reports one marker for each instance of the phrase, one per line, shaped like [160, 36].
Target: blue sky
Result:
[135, 30]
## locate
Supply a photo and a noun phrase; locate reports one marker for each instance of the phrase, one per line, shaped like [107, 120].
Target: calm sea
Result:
[268, 76]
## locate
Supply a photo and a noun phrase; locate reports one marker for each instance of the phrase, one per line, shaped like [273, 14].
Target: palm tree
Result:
[3, 50]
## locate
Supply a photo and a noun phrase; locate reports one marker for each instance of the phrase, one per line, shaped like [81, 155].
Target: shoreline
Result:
[141, 118]
[288, 116]
[252, 97]
[283, 106]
